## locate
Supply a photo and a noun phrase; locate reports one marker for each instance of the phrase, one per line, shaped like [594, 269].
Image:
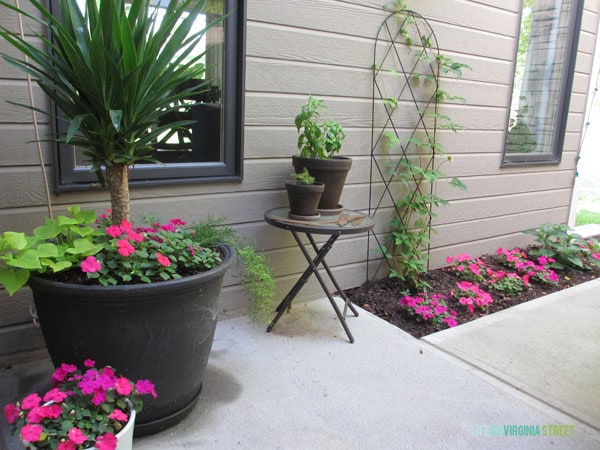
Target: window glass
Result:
[542, 82]
[210, 149]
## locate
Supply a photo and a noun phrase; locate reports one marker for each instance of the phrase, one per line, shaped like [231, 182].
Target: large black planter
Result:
[161, 331]
[331, 172]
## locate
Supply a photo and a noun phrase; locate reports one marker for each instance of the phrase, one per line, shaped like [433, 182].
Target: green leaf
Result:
[84, 247]
[13, 241]
[86, 216]
[48, 231]
[13, 280]
[74, 127]
[47, 250]
[26, 260]
[58, 266]
[456, 183]
[116, 115]
[66, 425]
[83, 231]
[65, 221]
[574, 261]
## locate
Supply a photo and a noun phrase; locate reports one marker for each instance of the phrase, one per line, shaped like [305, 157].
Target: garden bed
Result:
[382, 297]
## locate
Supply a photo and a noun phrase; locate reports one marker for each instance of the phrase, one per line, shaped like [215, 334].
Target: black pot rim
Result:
[335, 164]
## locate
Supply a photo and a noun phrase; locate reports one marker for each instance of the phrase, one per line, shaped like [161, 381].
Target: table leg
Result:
[313, 268]
[347, 302]
[313, 264]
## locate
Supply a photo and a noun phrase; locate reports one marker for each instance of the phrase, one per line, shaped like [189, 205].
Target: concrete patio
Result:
[532, 369]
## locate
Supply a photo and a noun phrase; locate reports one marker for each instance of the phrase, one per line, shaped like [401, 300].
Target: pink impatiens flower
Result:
[31, 401]
[123, 386]
[440, 309]
[125, 248]
[107, 441]
[465, 285]
[450, 321]
[168, 227]
[119, 415]
[67, 445]
[90, 265]
[163, 260]
[145, 387]
[99, 397]
[11, 412]
[77, 436]
[61, 372]
[113, 231]
[31, 433]
[135, 237]
[52, 411]
[463, 257]
[55, 395]
[126, 227]
[36, 415]
[475, 269]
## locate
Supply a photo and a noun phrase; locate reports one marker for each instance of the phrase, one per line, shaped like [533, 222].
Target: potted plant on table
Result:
[143, 299]
[95, 408]
[319, 142]
[304, 194]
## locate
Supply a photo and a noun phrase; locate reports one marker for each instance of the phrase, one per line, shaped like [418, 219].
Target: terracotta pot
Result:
[304, 198]
[331, 172]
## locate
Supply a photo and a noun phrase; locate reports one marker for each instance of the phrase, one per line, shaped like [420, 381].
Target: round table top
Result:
[345, 221]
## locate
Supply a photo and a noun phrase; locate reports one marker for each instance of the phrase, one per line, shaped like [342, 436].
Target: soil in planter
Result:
[381, 297]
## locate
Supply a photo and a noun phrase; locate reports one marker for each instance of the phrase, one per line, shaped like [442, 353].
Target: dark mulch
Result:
[381, 297]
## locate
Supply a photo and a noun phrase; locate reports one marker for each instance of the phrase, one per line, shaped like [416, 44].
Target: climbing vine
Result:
[406, 71]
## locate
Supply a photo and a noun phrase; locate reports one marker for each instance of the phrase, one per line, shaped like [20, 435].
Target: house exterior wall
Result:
[324, 48]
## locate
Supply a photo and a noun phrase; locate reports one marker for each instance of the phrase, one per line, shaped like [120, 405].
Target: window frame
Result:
[69, 177]
[568, 73]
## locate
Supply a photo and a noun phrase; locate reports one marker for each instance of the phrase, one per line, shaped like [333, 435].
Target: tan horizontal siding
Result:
[17, 91]
[325, 47]
[18, 146]
[9, 19]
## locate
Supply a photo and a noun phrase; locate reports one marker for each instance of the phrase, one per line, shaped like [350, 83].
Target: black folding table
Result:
[334, 225]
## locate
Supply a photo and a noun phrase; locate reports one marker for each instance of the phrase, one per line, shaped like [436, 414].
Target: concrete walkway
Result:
[532, 369]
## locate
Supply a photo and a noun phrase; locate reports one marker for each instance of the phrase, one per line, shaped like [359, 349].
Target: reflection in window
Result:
[201, 142]
[543, 78]
[210, 148]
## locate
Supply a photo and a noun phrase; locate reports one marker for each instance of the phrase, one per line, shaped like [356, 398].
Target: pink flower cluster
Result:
[430, 308]
[126, 237]
[539, 270]
[471, 295]
[475, 270]
[467, 267]
[39, 420]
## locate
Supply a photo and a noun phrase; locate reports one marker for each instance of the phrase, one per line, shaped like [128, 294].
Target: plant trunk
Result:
[117, 181]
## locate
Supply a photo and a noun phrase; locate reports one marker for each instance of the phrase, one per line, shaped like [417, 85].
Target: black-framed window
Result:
[544, 68]
[211, 150]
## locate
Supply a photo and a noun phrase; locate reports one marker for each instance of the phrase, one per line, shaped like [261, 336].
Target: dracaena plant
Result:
[114, 68]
